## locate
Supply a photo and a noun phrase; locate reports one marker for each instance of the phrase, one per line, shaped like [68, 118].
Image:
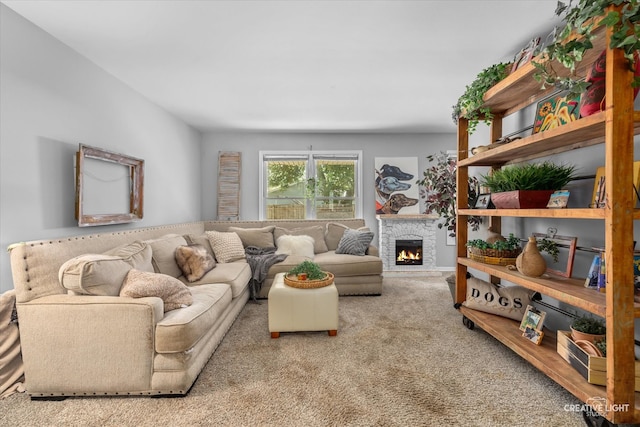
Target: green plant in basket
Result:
[509, 244]
[529, 176]
[313, 270]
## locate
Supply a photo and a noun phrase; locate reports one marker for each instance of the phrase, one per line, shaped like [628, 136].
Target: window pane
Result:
[335, 178]
[332, 208]
[285, 209]
[286, 178]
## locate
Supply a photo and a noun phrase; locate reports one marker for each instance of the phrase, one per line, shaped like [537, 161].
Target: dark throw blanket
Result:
[260, 260]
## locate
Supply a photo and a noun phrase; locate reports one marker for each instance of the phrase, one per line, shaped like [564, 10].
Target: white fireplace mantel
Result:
[400, 227]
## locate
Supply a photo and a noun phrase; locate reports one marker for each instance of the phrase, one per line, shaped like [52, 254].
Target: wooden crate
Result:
[592, 368]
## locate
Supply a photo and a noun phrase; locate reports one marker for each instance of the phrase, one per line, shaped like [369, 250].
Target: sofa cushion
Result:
[194, 261]
[180, 330]
[103, 274]
[163, 252]
[140, 284]
[258, 237]
[334, 232]
[295, 245]
[315, 231]
[226, 246]
[235, 274]
[354, 242]
[342, 265]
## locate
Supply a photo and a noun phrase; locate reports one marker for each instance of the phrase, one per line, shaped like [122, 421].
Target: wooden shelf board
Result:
[579, 213]
[507, 95]
[544, 357]
[568, 290]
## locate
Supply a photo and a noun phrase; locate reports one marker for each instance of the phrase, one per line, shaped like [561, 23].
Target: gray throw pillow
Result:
[354, 242]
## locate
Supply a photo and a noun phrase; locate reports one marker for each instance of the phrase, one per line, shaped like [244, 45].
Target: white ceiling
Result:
[309, 66]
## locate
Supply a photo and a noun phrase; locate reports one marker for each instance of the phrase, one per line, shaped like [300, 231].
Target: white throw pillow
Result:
[295, 245]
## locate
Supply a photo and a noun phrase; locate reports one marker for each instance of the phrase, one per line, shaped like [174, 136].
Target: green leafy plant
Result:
[438, 191]
[512, 243]
[529, 176]
[469, 105]
[313, 270]
[576, 37]
[602, 346]
[589, 325]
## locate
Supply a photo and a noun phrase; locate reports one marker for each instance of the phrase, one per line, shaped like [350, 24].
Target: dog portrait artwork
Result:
[396, 190]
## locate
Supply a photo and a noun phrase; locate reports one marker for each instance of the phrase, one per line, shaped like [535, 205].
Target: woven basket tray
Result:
[494, 256]
[292, 281]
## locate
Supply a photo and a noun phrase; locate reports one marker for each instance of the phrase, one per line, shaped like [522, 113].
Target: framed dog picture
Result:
[533, 335]
[483, 201]
[395, 185]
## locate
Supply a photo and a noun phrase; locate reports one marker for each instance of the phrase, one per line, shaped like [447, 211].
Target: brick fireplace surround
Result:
[401, 227]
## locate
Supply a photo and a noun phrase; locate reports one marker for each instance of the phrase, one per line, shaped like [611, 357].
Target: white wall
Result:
[51, 100]
[372, 145]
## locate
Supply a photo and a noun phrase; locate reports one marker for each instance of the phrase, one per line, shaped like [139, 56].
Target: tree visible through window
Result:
[310, 185]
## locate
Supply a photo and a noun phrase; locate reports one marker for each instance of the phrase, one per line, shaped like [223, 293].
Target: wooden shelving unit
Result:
[614, 128]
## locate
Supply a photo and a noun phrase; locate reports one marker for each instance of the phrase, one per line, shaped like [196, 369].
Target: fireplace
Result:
[409, 252]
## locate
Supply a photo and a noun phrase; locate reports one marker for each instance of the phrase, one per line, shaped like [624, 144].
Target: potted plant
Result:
[438, 191]
[469, 105]
[526, 185]
[307, 270]
[506, 249]
[588, 328]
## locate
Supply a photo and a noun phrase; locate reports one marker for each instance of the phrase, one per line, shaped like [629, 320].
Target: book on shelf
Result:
[594, 273]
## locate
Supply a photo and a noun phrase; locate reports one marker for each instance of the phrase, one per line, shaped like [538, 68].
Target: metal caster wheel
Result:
[468, 323]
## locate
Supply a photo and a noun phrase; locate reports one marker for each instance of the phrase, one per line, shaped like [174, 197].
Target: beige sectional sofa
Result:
[83, 338]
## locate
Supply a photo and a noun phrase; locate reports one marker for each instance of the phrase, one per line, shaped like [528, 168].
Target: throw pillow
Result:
[315, 231]
[226, 246]
[354, 242]
[201, 239]
[506, 301]
[103, 274]
[174, 293]
[194, 261]
[334, 232]
[258, 237]
[295, 245]
[164, 250]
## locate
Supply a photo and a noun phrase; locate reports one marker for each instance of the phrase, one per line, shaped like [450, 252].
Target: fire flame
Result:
[408, 255]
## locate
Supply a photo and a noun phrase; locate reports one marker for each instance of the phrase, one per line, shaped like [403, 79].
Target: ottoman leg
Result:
[333, 332]
[275, 334]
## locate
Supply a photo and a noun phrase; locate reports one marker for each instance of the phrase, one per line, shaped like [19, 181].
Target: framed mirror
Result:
[109, 187]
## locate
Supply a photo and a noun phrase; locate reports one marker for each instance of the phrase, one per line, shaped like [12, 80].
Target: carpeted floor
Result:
[400, 359]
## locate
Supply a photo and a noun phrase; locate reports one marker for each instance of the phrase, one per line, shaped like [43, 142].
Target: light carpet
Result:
[400, 359]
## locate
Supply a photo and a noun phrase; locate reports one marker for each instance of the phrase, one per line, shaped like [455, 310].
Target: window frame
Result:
[309, 157]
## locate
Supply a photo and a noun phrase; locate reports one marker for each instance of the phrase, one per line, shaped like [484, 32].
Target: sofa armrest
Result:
[85, 345]
[373, 250]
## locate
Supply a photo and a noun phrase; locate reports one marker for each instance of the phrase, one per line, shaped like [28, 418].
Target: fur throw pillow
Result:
[174, 293]
[194, 261]
[295, 245]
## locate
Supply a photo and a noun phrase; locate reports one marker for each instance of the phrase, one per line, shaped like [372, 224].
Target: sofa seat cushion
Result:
[180, 330]
[235, 274]
[344, 265]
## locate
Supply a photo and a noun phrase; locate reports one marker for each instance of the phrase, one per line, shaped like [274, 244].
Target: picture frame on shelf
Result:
[533, 319]
[483, 201]
[555, 111]
[525, 55]
[533, 335]
[566, 253]
[559, 199]
[591, 280]
[598, 196]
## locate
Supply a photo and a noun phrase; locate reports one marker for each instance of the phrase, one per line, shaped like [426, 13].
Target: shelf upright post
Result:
[618, 213]
[462, 194]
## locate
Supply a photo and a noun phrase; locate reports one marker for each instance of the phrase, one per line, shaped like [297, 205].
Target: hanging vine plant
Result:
[438, 190]
[581, 21]
[469, 105]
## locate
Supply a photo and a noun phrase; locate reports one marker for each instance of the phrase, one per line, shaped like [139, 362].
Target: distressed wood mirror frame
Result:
[136, 186]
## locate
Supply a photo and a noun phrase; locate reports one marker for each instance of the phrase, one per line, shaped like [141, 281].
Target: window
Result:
[310, 185]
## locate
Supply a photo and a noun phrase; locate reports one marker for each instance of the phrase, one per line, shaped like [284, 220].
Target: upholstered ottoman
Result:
[293, 309]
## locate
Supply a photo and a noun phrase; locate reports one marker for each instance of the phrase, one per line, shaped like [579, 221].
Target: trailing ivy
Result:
[580, 20]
